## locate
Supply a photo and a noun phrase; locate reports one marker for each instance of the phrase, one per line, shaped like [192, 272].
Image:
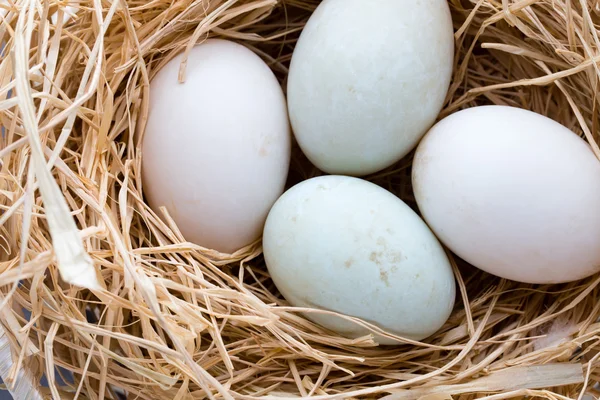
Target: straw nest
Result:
[97, 286]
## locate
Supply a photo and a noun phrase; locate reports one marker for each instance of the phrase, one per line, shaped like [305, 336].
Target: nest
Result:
[105, 299]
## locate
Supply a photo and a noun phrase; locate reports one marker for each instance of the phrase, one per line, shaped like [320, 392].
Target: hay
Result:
[165, 319]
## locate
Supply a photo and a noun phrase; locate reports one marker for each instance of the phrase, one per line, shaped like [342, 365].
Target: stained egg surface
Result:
[346, 245]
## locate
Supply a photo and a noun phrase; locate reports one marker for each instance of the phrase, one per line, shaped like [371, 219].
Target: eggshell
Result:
[216, 148]
[367, 80]
[513, 193]
[343, 244]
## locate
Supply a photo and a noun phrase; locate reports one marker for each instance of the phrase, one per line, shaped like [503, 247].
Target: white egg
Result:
[367, 79]
[216, 148]
[346, 245]
[513, 193]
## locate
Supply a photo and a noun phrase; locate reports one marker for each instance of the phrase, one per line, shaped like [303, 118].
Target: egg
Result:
[512, 192]
[346, 245]
[216, 148]
[366, 81]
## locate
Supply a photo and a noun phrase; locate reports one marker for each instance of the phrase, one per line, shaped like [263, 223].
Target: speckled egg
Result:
[346, 245]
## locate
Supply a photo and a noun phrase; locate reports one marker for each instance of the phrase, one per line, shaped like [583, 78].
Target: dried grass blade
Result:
[74, 264]
[510, 379]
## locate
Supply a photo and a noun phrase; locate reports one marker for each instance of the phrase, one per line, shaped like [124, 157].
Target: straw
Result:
[122, 302]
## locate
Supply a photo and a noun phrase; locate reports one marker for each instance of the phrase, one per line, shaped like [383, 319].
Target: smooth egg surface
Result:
[216, 148]
[512, 192]
[367, 79]
[346, 245]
